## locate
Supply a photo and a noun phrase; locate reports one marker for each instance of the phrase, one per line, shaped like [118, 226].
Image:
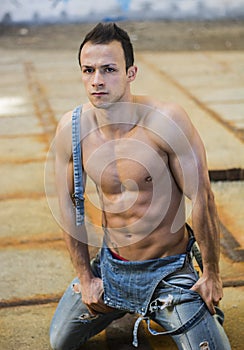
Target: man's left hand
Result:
[209, 287]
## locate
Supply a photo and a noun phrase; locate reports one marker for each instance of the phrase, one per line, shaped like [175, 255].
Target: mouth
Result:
[100, 93]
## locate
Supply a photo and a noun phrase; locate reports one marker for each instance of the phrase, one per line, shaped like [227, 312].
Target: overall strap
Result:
[77, 165]
[193, 247]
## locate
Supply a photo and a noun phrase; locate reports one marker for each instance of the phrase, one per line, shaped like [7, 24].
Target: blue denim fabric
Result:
[167, 300]
[77, 166]
[129, 285]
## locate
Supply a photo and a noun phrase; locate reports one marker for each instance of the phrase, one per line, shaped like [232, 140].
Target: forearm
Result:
[206, 230]
[80, 257]
[76, 241]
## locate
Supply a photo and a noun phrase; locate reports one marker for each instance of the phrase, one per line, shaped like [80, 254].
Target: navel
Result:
[148, 179]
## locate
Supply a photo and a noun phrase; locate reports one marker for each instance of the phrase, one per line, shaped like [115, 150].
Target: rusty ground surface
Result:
[200, 67]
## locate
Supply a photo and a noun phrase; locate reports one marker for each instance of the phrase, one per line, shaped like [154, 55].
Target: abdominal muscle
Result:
[143, 230]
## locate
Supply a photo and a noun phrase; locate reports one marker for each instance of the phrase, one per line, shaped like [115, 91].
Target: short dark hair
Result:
[105, 33]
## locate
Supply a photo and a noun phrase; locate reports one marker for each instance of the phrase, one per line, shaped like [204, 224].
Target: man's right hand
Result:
[92, 297]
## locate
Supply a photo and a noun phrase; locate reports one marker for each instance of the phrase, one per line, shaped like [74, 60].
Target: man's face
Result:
[104, 73]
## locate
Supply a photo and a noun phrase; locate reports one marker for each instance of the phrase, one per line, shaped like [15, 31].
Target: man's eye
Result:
[88, 70]
[109, 70]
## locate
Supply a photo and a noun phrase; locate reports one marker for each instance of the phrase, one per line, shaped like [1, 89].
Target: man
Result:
[144, 157]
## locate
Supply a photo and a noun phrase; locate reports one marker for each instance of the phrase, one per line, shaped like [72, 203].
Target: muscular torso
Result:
[143, 208]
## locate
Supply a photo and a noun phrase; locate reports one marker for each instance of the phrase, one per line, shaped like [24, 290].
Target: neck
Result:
[117, 119]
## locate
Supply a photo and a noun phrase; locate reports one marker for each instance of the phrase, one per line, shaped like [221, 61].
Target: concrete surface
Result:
[229, 198]
[31, 216]
[34, 271]
[36, 88]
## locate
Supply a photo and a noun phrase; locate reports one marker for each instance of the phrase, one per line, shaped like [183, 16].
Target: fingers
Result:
[209, 300]
[211, 303]
[93, 297]
[98, 307]
[92, 313]
[211, 308]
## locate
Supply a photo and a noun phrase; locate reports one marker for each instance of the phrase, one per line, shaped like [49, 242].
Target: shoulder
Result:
[66, 119]
[169, 123]
[170, 111]
[64, 122]
[63, 137]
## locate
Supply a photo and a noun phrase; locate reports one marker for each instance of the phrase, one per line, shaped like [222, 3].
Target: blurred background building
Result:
[47, 11]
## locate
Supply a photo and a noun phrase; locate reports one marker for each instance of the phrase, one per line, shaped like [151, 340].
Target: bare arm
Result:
[188, 164]
[204, 215]
[206, 228]
[75, 236]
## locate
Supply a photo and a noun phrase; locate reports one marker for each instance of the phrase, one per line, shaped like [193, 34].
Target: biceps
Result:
[184, 172]
[64, 178]
[190, 171]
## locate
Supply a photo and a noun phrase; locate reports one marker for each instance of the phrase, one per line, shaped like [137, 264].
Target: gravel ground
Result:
[158, 35]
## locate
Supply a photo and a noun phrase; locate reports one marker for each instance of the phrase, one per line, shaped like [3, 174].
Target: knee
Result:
[54, 340]
[61, 339]
[57, 341]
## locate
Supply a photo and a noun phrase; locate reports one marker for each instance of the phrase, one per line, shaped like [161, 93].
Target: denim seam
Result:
[183, 334]
[210, 337]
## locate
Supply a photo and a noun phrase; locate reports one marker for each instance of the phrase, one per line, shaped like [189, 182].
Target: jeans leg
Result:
[207, 333]
[68, 331]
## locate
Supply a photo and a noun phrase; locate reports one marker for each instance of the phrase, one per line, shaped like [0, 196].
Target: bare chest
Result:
[129, 163]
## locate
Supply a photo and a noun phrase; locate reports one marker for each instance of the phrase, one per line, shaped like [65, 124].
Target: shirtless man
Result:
[144, 156]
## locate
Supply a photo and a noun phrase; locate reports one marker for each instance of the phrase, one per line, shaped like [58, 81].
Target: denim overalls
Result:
[157, 289]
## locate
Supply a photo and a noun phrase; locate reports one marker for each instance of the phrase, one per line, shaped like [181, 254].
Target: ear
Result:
[131, 73]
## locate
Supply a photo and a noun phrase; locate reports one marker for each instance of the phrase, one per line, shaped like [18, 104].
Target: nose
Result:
[97, 79]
